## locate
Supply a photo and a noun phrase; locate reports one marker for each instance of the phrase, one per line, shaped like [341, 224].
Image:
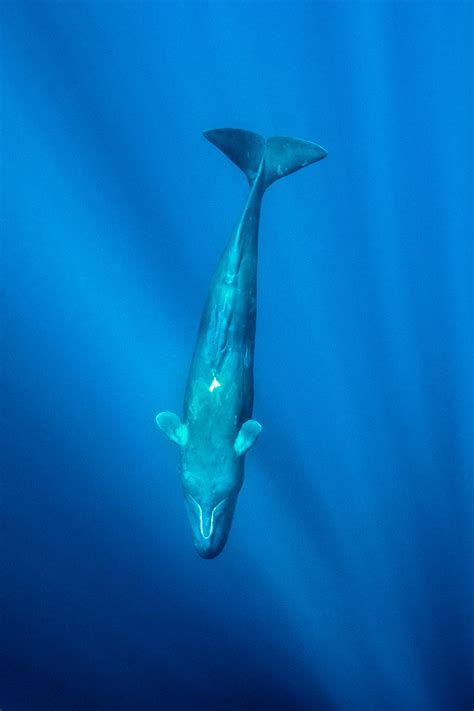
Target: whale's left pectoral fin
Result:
[248, 435]
[173, 427]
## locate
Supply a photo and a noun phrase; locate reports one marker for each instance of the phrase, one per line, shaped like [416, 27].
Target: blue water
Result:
[347, 581]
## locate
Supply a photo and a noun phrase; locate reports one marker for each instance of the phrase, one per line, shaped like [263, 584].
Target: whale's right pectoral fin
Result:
[173, 427]
[248, 435]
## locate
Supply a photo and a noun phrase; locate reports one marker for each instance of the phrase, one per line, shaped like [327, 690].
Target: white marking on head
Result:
[211, 527]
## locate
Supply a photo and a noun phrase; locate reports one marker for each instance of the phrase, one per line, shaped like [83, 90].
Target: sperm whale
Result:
[217, 429]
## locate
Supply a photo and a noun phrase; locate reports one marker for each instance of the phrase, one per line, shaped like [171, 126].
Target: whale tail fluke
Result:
[285, 155]
[244, 148]
[281, 155]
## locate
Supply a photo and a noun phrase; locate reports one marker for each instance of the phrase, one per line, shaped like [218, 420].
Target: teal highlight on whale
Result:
[217, 429]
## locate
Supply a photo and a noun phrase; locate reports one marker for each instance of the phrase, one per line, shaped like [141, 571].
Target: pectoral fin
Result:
[173, 427]
[248, 435]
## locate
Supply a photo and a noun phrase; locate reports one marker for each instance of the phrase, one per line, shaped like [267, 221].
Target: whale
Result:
[216, 429]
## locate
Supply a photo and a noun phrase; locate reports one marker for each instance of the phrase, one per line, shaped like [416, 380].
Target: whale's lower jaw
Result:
[210, 525]
[210, 547]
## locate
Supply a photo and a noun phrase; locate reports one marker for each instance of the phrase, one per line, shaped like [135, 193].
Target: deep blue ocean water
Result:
[347, 581]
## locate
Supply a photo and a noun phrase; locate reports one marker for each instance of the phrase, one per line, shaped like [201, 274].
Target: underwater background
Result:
[347, 580]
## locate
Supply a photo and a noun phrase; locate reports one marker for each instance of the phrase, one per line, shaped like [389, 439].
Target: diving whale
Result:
[217, 429]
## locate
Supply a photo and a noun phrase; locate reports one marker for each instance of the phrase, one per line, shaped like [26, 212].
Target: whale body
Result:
[217, 429]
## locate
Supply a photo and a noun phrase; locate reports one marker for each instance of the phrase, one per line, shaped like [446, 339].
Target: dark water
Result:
[347, 581]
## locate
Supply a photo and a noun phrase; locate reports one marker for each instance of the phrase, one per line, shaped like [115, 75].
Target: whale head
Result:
[211, 485]
[210, 518]
[212, 473]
